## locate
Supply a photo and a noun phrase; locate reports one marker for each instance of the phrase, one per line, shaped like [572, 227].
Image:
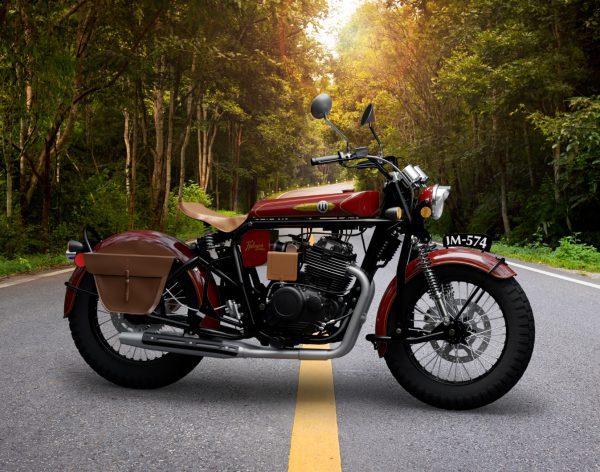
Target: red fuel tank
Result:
[353, 204]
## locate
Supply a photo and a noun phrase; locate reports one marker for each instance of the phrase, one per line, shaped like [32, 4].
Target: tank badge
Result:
[322, 207]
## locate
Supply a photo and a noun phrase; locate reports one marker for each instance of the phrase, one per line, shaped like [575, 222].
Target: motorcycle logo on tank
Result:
[322, 206]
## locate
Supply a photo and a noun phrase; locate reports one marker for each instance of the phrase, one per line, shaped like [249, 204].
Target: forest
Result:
[111, 111]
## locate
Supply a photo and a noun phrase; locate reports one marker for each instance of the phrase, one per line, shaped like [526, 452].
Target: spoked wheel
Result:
[485, 350]
[96, 334]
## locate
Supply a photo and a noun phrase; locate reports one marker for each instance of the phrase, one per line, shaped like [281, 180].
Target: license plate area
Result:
[481, 242]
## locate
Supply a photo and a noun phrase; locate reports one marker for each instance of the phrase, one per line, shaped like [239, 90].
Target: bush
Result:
[15, 238]
[570, 249]
[183, 226]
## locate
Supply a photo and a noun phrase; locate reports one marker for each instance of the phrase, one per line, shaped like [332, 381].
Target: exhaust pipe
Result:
[229, 348]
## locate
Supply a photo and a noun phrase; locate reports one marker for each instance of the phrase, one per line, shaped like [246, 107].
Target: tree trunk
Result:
[29, 98]
[503, 197]
[9, 176]
[89, 137]
[126, 140]
[210, 154]
[185, 138]
[556, 168]
[528, 154]
[237, 136]
[199, 136]
[46, 186]
[183, 150]
[169, 154]
[134, 151]
[159, 146]
[216, 177]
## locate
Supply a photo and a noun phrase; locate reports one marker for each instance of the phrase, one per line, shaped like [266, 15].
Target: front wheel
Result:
[489, 349]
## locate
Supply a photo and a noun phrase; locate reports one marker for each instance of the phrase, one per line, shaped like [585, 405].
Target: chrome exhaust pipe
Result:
[230, 348]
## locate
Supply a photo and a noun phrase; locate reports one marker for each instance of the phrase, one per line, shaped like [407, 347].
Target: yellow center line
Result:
[315, 445]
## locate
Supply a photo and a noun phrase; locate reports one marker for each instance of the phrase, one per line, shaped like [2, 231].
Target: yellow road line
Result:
[315, 445]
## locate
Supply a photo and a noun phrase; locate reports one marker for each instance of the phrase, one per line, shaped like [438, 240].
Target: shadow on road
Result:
[240, 389]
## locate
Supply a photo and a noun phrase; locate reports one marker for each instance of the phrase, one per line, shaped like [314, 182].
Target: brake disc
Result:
[476, 321]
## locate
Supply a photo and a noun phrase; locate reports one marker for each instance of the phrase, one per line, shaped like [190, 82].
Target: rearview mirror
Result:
[368, 115]
[321, 106]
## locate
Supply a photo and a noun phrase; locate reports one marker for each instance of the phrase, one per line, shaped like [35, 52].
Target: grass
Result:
[570, 254]
[31, 263]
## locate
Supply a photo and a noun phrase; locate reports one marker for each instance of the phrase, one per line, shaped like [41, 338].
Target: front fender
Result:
[143, 243]
[463, 256]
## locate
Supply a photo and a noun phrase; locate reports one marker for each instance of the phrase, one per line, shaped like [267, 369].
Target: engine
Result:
[304, 307]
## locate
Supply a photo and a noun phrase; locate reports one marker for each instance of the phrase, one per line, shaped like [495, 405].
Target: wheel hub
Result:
[457, 332]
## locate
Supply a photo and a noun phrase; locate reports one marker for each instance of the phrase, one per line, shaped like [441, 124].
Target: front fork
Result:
[433, 285]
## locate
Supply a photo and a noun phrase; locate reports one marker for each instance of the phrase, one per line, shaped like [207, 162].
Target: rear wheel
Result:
[96, 334]
[489, 349]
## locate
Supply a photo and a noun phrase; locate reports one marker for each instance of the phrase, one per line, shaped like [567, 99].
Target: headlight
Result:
[438, 197]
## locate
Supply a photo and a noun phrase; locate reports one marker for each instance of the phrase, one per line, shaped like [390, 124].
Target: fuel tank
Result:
[349, 204]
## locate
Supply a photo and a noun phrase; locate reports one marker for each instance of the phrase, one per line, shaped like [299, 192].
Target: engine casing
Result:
[302, 307]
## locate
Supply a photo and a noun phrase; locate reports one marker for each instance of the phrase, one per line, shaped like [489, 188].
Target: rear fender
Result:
[462, 256]
[149, 243]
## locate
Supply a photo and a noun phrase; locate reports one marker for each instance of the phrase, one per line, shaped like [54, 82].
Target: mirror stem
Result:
[339, 133]
[377, 139]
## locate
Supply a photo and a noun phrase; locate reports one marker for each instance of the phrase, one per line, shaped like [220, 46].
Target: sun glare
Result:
[340, 12]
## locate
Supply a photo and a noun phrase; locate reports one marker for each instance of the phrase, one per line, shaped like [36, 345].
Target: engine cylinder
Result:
[325, 264]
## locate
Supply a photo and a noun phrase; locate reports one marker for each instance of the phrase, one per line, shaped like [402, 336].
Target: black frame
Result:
[246, 279]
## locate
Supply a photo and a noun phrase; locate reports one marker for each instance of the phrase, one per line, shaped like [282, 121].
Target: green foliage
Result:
[30, 263]
[570, 254]
[178, 224]
[15, 238]
[576, 133]
[571, 250]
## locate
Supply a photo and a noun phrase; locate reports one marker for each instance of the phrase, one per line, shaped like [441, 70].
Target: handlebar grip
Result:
[317, 161]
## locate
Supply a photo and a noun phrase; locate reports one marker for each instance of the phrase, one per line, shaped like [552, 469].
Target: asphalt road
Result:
[57, 414]
[319, 190]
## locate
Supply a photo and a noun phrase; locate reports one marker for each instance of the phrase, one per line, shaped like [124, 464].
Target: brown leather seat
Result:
[201, 213]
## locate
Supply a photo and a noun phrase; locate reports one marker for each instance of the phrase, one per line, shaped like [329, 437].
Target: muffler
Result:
[178, 344]
[230, 348]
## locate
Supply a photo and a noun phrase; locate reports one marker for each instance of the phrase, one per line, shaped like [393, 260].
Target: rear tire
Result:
[463, 393]
[109, 363]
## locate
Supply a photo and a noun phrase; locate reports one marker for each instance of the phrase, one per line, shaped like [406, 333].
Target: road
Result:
[237, 415]
[321, 189]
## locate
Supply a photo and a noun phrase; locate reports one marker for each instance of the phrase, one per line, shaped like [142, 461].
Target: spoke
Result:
[420, 347]
[487, 316]
[456, 362]
[420, 311]
[465, 369]
[433, 358]
[493, 328]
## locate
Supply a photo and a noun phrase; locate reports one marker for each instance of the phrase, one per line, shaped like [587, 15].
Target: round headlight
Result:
[438, 197]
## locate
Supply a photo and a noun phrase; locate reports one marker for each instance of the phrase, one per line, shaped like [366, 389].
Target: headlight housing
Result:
[439, 194]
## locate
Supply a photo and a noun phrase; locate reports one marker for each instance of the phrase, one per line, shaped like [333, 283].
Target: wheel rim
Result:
[469, 359]
[108, 325]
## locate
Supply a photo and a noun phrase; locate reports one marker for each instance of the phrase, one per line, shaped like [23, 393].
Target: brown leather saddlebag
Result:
[129, 283]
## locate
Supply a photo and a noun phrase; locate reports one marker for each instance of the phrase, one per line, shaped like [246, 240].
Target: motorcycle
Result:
[454, 327]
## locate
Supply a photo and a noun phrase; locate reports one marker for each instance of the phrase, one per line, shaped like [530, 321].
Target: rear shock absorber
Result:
[433, 285]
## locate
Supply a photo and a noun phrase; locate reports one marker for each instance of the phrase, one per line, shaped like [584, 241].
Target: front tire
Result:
[142, 370]
[482, 366]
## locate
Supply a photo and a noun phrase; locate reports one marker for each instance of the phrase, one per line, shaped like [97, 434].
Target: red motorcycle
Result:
[454, 326]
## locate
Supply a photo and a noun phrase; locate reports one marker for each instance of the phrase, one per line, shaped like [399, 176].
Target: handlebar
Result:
[317, 161]
[358, 153]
